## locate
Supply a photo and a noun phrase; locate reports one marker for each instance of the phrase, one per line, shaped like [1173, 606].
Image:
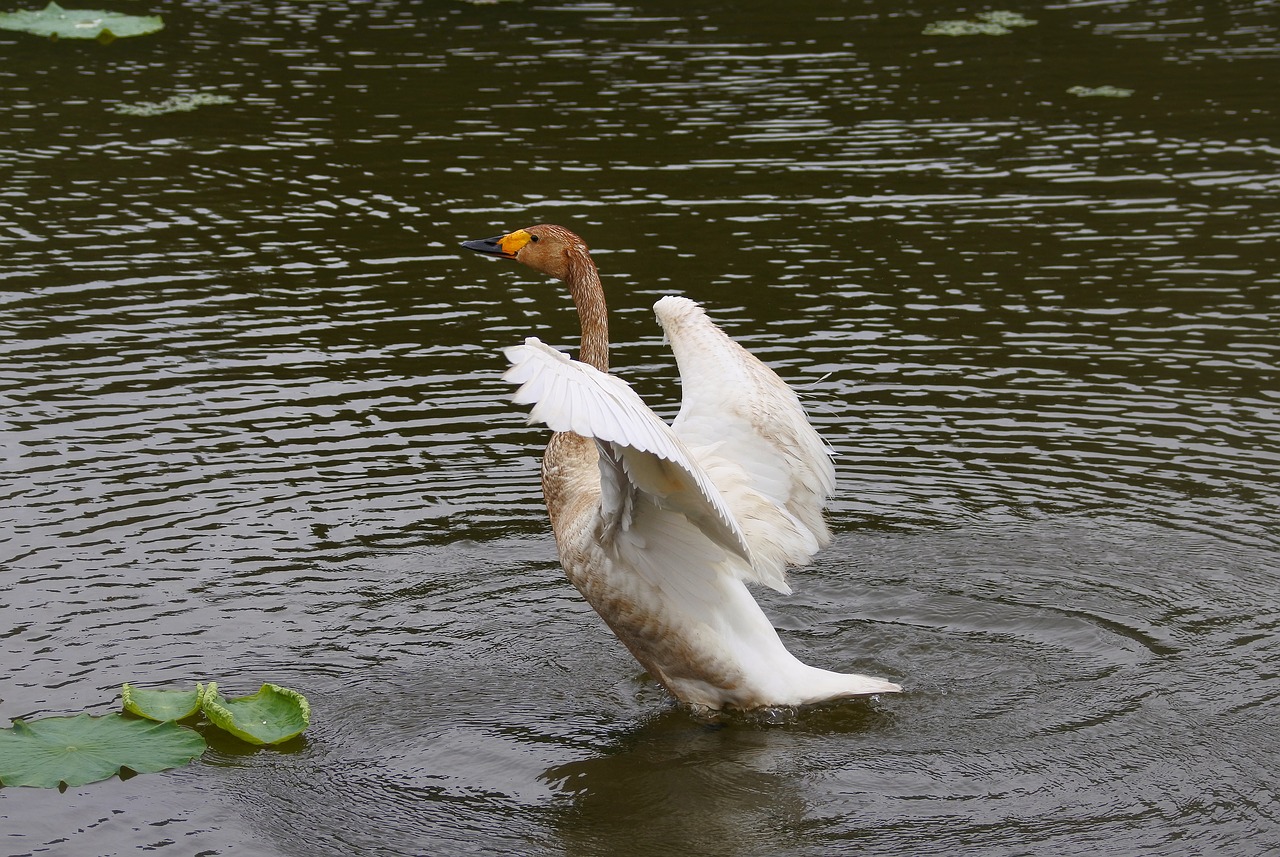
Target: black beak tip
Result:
[489, 246]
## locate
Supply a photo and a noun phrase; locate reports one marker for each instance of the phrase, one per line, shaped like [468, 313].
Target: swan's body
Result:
[661, 527]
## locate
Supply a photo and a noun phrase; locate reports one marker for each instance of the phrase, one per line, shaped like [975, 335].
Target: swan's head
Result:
[552, 250]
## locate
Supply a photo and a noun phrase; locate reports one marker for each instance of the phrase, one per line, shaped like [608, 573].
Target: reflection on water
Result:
[675, 785]
[253, 428]
[1033, 711]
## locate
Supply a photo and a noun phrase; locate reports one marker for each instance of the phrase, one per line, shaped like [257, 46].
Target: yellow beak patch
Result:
[514, 242]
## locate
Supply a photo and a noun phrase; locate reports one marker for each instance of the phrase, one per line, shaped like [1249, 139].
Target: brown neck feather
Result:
[588, 296]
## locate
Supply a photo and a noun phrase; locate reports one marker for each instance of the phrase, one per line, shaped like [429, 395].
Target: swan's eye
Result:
[533, 238]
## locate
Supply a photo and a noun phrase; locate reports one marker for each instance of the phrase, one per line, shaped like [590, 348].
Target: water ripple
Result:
[252, 424]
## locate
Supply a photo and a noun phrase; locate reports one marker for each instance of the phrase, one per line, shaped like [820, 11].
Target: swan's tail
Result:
[825, 685]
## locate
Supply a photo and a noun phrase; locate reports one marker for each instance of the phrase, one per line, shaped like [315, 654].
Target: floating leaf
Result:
[273, 715]
[1100, 91]
[57, 23]
[1005, 19]
[965, 28]
[72, 751]
[997, 23]
[161, 705]
[173, 104]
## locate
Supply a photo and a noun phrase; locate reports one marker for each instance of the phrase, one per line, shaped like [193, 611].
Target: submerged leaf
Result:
[1005, 19]
[57, 23]
[72, 751]
[965, 28]
[273, 715]
[161, 705]
[995, 23]
[1100, 91]
[173, 104]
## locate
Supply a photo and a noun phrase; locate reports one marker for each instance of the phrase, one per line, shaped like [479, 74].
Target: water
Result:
[253, 427]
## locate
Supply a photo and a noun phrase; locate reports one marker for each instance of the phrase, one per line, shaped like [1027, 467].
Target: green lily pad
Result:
[273, 715]
[72, 751]
[996, 23]
[57, 23]
[161, 705]
[174, 104]
[1100, 91]
[1005, 19]
[965, 28]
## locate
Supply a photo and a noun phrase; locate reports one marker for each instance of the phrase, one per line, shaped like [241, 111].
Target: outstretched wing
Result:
[639, 453]
[748, 431]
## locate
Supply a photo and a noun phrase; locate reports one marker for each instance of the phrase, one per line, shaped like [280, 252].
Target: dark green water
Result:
[253, 427]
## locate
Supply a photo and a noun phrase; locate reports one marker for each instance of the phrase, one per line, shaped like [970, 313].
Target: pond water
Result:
[253, 426]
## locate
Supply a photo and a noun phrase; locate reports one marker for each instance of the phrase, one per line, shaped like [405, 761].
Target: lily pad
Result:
[996, 23]
[161, 705]
[1005, 19]
[174, 104]
[72, 751]
[57, 23]
[1100, 91]
[965, 28]
[273, 715]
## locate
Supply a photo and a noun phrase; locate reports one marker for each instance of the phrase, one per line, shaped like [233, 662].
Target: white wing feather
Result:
[748, 430]
[638, 451]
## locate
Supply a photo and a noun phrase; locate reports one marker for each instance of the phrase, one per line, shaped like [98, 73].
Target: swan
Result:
[662, 527]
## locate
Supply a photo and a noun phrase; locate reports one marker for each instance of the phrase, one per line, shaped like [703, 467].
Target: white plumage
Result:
[662, 527]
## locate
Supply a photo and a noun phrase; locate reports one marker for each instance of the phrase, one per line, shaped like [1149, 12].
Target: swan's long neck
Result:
[588, 296]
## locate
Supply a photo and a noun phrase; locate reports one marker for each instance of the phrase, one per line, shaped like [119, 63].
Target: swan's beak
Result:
[506, 246]
[489, 246]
